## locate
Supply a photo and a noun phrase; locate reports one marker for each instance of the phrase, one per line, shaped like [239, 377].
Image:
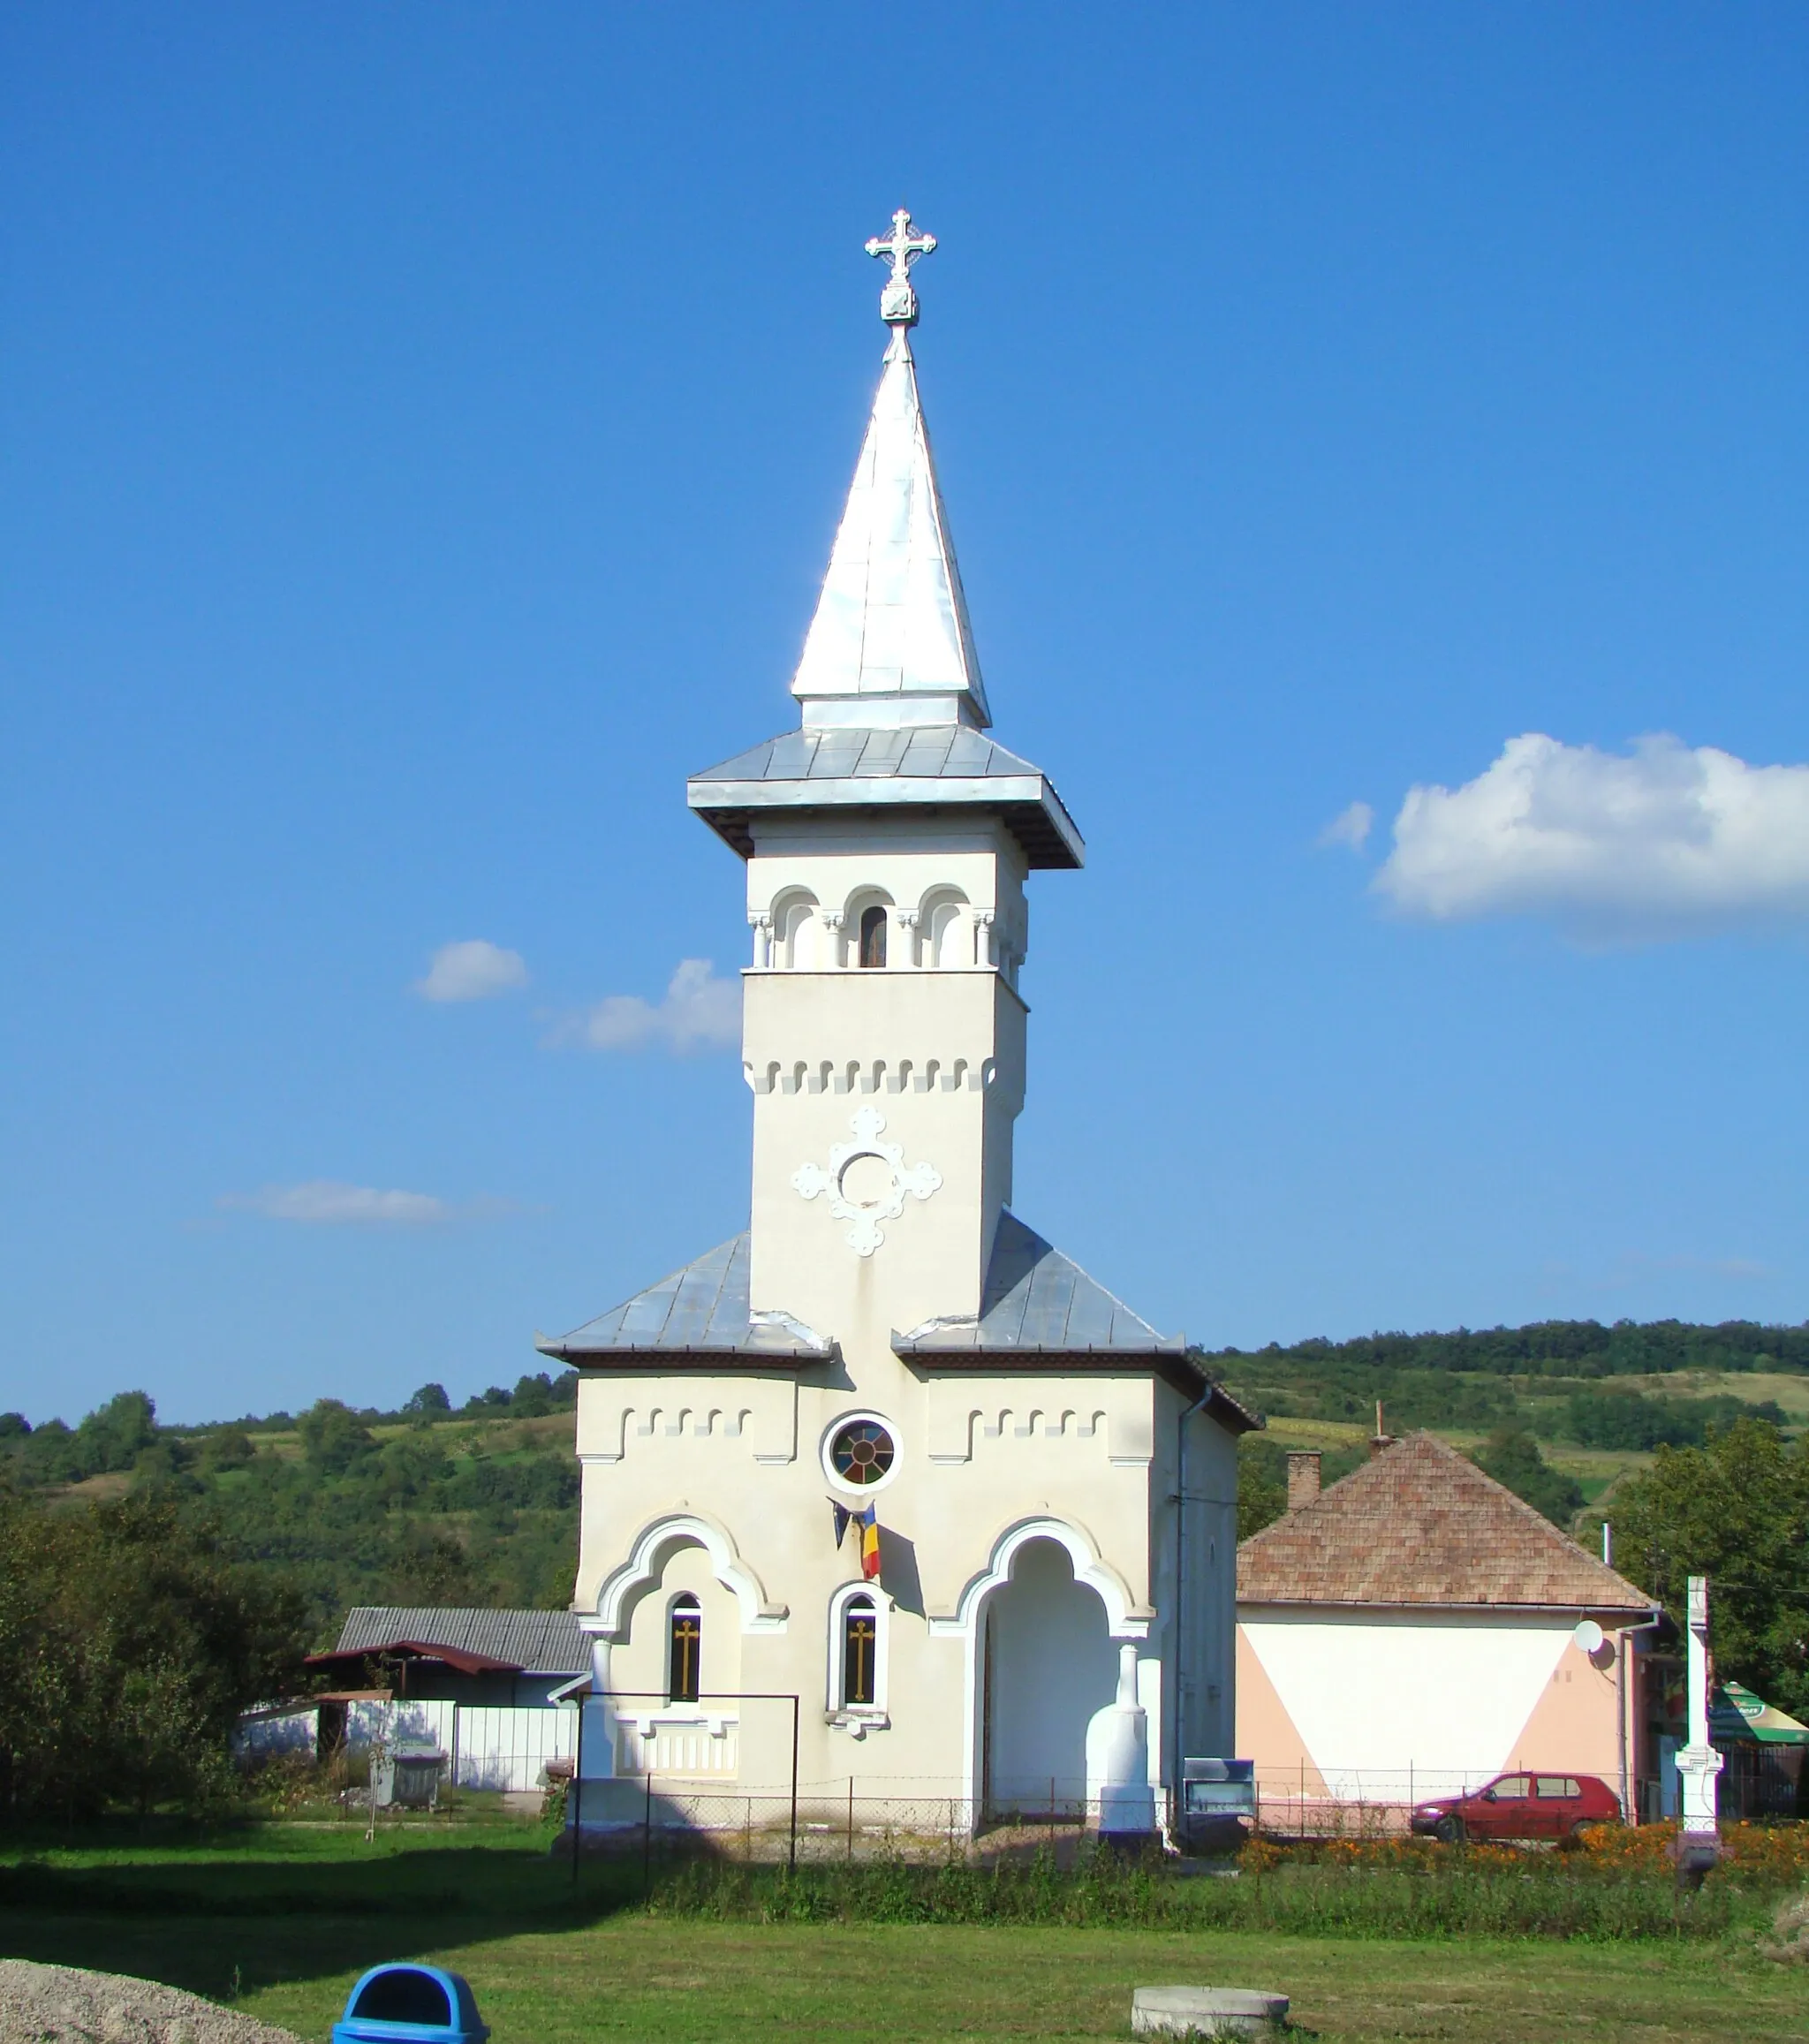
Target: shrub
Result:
[1397, 1888]
[127, 1649]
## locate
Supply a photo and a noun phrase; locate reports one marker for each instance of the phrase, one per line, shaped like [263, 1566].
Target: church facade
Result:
[888, 1451]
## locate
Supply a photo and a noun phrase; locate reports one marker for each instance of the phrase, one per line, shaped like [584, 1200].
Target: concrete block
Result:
[1206, 2012]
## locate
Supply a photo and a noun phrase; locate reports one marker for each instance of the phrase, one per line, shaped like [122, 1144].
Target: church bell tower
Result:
[888, 840]
[1039, 1603]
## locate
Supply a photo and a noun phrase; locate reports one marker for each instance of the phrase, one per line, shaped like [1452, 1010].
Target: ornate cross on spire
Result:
[898, 300]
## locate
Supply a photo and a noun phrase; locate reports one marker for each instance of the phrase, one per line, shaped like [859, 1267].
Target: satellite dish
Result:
[1589, 1637]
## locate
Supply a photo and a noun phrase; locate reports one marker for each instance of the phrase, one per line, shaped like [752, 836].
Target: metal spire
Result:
[898, 300]
[890, 644]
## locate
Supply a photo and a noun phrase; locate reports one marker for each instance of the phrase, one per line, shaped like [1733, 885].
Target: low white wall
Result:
[264, 1735]
[487, 1746]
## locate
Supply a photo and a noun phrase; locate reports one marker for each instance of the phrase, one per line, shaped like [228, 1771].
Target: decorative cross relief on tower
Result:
[901, 247]
[867, 1181]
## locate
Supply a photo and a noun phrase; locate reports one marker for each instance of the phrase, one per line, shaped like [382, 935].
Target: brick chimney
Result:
[1303, 1477]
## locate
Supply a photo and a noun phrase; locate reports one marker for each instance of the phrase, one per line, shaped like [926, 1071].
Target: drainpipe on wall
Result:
[1628, 1815]
[1175, 1791]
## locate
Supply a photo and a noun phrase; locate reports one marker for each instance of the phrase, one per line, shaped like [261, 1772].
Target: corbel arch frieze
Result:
[621, 1586]
[1125, 1617]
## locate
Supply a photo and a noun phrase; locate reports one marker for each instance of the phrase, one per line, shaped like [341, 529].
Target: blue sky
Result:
[422, 433]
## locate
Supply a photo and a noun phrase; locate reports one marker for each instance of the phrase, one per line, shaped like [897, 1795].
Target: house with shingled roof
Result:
[888, 1451]
[1416, 1629]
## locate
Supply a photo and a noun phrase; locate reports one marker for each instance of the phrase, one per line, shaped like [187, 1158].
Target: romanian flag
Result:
[867, 1520]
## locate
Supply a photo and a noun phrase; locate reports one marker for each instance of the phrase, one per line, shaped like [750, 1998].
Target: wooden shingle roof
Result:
[1420, 1523]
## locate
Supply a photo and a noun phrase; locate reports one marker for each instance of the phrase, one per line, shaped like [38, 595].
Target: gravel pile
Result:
[69, 2005]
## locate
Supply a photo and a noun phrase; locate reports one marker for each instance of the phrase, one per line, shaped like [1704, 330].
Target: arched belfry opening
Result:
[1048, 1666]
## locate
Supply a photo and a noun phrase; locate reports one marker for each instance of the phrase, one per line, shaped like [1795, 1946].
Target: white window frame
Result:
[860, 1491]
[858, 1718]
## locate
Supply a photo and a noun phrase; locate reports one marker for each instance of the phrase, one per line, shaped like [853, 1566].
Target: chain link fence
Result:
[666, 1818]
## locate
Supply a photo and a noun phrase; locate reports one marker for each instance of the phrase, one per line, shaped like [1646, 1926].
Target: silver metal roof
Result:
[1040, 1307]
[700, 1310]
[1040, 1302]
[924, 765]
[891, 621]
[537, 1642]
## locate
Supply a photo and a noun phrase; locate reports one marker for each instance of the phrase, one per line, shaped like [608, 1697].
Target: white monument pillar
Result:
[1126, 1801]
[1699, 1842]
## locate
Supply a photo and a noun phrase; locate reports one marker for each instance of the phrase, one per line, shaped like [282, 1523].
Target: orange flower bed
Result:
[1776, 1852]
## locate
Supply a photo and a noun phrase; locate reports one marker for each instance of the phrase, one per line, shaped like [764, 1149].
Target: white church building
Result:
[1032, 1608]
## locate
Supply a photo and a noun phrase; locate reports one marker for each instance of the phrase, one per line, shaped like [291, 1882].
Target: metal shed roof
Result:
[534, 1642]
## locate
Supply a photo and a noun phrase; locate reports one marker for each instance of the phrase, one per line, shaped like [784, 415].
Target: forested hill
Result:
[1551, 1348]
[423, 1505]
[479, 1503]
[1627, 1387]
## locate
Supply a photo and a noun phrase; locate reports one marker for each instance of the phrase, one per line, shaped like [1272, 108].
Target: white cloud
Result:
[472, 971]
[1350, 827]
[1660, 841]
[699, 1012]
[327, 1201]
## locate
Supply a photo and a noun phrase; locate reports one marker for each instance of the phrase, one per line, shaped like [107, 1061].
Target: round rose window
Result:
[861, 1452]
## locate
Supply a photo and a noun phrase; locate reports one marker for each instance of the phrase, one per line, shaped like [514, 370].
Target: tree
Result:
[127, 1649]
[1736, 1510]
[428, 1403]
[333, 1438]
[533, 1397]
[1511, 1455]
[1262, 1484]
[228, 1448]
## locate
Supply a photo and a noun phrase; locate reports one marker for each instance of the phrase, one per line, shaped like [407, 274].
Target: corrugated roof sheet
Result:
[536, 1642]
[700, 1310]
[1420, 1523]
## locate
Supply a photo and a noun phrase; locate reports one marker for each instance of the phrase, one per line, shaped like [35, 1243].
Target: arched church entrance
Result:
[1049, 1667]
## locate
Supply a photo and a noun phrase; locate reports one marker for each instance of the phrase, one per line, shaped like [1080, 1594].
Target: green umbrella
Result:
[1735, 1712]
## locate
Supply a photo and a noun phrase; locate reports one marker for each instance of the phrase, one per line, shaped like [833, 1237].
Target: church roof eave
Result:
[1174, 1365]
[749, 1355]
[923, 766]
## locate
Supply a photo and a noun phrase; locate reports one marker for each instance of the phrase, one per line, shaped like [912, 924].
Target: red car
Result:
[1521, 1807]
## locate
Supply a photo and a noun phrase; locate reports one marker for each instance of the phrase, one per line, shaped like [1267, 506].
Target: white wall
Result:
[262, 1735]
[1379, 1699]
[487, 1746]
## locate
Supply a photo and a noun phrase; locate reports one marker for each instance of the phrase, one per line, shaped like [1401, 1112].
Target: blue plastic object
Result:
[411, 2004]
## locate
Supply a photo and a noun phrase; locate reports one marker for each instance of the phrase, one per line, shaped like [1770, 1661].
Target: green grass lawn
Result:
[292, 1914]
